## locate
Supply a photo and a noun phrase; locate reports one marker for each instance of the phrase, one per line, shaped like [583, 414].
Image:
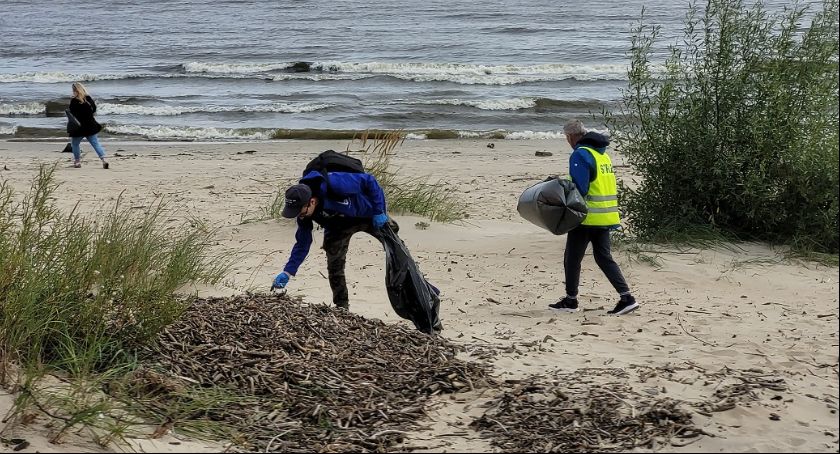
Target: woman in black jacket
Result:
[83, 107]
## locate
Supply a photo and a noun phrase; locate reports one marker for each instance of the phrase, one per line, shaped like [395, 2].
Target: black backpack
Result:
[331, 161]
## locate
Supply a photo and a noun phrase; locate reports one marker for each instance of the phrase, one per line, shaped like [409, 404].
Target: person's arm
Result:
[373, 192]
[75, 105]
[580, 169]
[92, 104]
[303, 240]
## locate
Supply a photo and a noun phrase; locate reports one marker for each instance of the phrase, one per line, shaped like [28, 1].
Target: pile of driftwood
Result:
[290, 377]
[590, 410]
[597, 410]
[275, 375]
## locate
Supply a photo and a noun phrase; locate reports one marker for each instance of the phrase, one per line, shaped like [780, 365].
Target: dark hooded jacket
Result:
[84, 111]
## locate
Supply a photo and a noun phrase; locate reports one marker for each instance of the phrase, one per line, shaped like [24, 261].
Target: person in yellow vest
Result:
[591, 170]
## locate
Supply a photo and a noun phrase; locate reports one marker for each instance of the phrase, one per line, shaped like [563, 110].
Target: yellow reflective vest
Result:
[602, 199]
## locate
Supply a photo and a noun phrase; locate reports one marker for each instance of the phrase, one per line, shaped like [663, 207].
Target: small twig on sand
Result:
[388, 432]
[268, 447]
[500, 424]
[679, 321]
[513, 314]
[681, 445]
[632, 407]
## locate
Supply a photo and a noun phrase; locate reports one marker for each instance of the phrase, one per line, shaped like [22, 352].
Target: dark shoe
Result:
[105, 165]
[565, 305]
[625, 305]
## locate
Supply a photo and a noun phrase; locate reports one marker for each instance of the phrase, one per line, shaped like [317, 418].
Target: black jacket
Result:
[83, 111]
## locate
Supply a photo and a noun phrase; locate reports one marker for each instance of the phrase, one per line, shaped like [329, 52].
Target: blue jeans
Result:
[94, 142]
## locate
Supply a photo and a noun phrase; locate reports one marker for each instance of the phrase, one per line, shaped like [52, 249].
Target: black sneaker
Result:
[625, 305]
[565, 305]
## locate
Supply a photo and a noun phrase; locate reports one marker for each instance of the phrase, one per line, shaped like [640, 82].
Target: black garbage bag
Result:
[74, 127]
[412, 296]
[555, 205]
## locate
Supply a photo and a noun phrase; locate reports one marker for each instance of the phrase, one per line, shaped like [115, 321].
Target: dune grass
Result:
[420, 195]
[416, 195]
[79, 289]
[80, 292]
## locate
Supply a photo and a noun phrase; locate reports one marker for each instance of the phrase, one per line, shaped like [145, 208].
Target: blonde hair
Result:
[81, 91]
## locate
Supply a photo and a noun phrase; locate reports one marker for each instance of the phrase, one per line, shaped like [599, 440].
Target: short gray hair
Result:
[574, 127]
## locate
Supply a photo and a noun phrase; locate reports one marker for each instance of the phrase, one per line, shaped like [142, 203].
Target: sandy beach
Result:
[742, 307]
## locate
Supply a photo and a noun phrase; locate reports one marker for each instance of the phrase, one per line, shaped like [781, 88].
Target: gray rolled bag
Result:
[555, 205]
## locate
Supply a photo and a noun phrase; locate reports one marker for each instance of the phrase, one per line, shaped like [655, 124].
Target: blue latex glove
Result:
[281, 280]
[380, 220]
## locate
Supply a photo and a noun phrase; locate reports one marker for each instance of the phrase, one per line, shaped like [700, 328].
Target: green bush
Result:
[739, 132]
[77, 292]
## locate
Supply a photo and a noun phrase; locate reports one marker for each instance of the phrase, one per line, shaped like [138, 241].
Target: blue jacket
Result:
[582, 165]
[352, 195]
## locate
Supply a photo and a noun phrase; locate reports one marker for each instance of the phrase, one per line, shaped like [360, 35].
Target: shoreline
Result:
[190, 134]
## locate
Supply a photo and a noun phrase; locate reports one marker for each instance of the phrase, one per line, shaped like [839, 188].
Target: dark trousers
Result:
[336, 243]
[576, 242]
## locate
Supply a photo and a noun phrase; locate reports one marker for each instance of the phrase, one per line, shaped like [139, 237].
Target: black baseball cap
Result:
[297, 197]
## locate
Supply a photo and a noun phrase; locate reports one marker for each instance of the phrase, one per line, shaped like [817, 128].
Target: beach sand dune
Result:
[741, 308]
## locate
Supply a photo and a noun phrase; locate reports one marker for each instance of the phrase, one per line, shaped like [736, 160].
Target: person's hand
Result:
[380, 220]
[281, 280]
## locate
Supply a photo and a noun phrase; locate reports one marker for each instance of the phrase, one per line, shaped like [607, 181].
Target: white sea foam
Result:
[135, 109]
[233, 68]
[469, 74]
[8, 130]
[29, 108]
[168, 132]
[482, 74]
[320, 76]
[56, 77]
[415, 136]
[62, 77]
[490, 104]
[542, 135]
[531, 135]
[468, 69]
